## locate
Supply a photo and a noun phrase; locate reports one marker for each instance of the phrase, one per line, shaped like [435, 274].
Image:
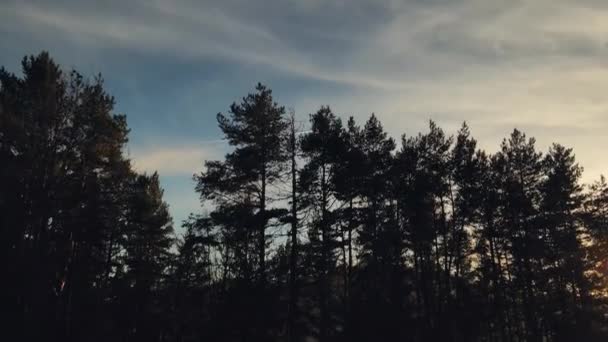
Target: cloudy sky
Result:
[538, 65]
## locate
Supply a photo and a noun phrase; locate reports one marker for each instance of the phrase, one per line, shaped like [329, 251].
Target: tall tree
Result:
[61, 199]
[147, 242]
[257, 129]
[423, 183]
[567, 289]
[349, 173]
[519, 170]
[293, 257]
[321, 148]
[379, 238]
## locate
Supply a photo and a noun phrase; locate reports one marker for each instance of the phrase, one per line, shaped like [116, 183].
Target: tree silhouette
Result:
[240, 188]
[320, 149]
[337, 234]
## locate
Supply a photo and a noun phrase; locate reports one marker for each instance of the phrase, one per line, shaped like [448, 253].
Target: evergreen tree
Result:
[349, 173]
[256, 128]
[423, 183]
[379, 237]
[519, 170]
[147, 241]
[61, 195]
[190, 280]
[563, 255]
[292, 313]
[321, 148]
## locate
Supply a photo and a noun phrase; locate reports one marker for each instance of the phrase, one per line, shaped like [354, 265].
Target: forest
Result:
[329, 230]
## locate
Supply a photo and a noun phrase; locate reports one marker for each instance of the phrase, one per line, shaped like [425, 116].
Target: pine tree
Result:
[192, 276]
[292, 313]
[320, 149]
[379, 237]
[519, 171]
[465, 191]
[349, 173]
[61, 199]
[423, 182]
[257, 129]
[147, 242]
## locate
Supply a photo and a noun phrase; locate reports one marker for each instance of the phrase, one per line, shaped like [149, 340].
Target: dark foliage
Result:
[335, 233]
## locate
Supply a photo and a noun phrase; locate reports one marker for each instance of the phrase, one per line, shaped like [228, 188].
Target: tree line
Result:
[329, 231]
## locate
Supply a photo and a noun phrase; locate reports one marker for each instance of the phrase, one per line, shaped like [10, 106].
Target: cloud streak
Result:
[182, 160]
[539, 65]
[412, 42]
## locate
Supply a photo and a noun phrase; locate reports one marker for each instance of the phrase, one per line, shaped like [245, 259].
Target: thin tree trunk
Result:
[262, 232]
[293, 297]
[324, 260]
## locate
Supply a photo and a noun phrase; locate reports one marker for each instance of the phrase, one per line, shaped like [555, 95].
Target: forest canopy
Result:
[325, 231]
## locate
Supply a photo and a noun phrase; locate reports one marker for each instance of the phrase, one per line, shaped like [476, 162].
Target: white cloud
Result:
[179, 160]
[539, 65]
[416, 41]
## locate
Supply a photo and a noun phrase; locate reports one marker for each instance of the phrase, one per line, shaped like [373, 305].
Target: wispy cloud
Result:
[169, 28]
[181, 160]
[539, 65]
[408, 41]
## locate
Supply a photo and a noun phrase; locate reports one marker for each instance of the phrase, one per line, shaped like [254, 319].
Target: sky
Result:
[540, 66]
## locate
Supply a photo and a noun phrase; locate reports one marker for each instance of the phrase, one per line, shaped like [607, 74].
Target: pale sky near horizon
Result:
[538, 65]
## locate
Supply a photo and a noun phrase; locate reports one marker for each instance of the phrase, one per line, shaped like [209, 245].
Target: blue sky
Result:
[538, 65]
